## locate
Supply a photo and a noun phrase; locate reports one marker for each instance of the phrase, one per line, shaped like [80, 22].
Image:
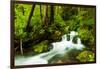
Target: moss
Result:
[41, 47]
[57, 35]
[86, 56]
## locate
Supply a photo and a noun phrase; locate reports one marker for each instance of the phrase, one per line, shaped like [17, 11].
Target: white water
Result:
[58, 48]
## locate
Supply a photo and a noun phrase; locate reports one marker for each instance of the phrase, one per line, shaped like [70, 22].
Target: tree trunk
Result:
[51, 14]
[46, 17]
[30, 16]
[21, 47]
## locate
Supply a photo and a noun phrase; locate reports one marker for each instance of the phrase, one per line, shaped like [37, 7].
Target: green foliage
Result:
[21, 16]
[86, 56]
[87, 37]
[41, 47]
[83, 34]
[59, 21]
[68, 12]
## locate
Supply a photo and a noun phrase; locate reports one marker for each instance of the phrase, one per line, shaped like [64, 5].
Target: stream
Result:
[60, 48]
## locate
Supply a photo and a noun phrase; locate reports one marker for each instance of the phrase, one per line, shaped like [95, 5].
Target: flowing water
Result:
[58, 48]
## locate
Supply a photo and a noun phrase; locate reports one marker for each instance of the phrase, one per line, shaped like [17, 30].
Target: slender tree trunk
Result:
[30, 16]
[46, 17]
[51, 14]
[21, 47]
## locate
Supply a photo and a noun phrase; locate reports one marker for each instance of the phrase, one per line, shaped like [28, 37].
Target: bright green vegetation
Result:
[86, 56]
[36, 26]
[40, 47]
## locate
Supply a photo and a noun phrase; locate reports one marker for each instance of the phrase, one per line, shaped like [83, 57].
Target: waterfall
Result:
[58, 48]
[72, 35]
[64, 38]
[79, 41]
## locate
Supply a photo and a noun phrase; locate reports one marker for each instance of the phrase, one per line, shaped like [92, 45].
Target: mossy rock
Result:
[75, 39]
[41, 47]
[56, 36]
[86, 56]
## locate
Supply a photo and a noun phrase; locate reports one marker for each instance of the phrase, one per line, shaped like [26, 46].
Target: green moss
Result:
[86, 56]
[41, 47]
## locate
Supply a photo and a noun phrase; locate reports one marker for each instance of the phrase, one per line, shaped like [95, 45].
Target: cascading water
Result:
[58, 48]
[64, 38]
